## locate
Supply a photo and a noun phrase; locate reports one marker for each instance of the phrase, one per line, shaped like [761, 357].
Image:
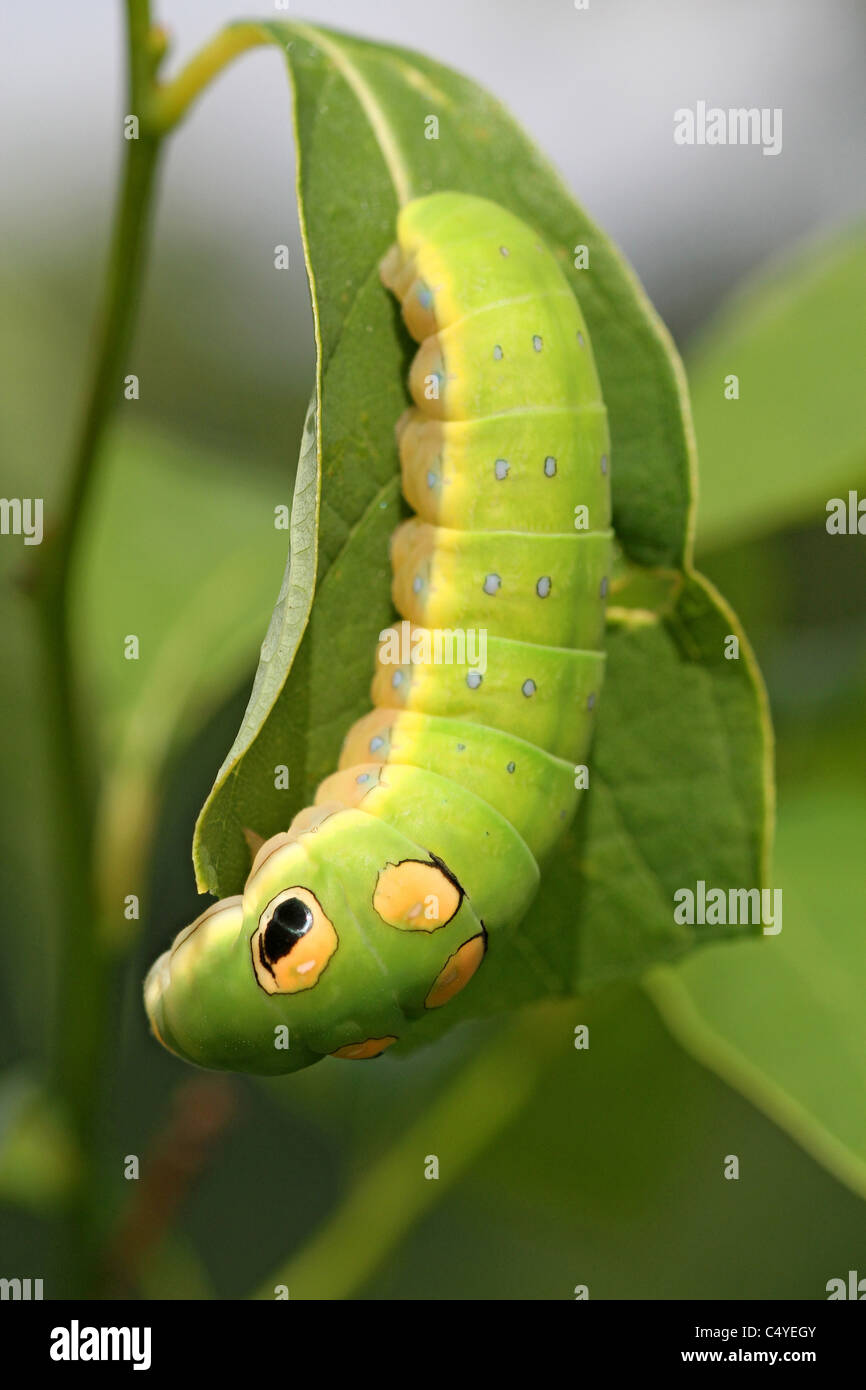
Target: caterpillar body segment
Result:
[425, 847]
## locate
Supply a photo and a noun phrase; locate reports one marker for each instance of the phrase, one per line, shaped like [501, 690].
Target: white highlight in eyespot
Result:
[492, 584]
[549, 466]
[542, 588]
[500, 468]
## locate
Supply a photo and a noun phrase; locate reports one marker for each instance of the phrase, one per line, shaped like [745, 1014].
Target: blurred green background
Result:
[611, 1174]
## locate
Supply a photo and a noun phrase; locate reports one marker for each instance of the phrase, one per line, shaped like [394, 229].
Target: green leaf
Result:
[195, 615]
[797, 434]
[39, 1163]
[360, 111]
[782, 1019]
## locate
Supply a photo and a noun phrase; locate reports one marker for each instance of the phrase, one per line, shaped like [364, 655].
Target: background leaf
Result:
[38, 1157]
[630, 1135]
[195, 614]
[782, 1019]
[797, 434]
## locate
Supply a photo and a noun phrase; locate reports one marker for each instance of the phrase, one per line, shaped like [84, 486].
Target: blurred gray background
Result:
[597, 89]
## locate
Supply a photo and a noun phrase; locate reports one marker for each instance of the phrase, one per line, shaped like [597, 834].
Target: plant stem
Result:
[83, 982]
[80, 1068]
[171, 102]
[384, 1204]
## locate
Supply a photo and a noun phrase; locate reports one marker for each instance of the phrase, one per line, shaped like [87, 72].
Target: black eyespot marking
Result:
[293, 943]
[291, 920]
[451, 877]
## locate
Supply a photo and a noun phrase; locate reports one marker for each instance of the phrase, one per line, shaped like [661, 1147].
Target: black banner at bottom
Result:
[82, 1338]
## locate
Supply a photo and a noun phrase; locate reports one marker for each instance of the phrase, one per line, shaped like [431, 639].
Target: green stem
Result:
[84, 985]
[83, 981]
[384, 1204]
[172, 101]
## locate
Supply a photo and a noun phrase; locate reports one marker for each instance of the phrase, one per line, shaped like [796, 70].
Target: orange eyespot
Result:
[293, 942]
[457, 971]
[416, 896]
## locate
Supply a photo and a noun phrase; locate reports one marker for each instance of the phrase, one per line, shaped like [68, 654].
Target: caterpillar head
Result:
[344, 933]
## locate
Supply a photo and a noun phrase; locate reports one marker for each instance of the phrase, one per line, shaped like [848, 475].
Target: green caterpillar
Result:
[422, 851]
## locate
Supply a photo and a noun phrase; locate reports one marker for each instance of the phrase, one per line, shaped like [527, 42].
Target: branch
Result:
[201, 1110]
[172, 101]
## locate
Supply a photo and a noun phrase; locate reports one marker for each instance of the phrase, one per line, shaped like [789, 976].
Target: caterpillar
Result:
[422, 852]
